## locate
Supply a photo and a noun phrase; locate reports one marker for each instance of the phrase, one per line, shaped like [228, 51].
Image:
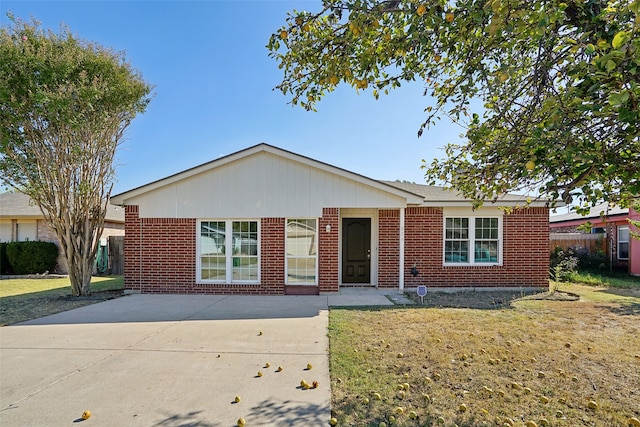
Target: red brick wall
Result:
[159, 253]
[525, 252]
[160, 257]
[272, 255]
[328, 250]
[388, 248]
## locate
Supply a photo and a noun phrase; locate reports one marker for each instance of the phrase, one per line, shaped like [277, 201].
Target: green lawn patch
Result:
[612, 280]
[26, 299]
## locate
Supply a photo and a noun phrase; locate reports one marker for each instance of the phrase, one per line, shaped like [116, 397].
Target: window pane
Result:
[301, 237]
[623, 250]
[486, 228]
[245, 268]
[456, 251]
[623, 234]
[301, 271]
[245, 238]
[213, 268]
[212, 250]
[486, 251]
[212, 238]
[457, 228]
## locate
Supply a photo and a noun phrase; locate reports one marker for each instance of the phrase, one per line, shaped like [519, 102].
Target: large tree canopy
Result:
[64, 108]
[547, 90]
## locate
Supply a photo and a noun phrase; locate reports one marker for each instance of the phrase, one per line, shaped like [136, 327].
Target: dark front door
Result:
[356, 250]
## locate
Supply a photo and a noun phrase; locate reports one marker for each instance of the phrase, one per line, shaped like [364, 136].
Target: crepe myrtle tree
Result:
[64, 107]
[546, 90]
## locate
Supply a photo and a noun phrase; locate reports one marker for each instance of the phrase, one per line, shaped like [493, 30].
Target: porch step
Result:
[301, 290]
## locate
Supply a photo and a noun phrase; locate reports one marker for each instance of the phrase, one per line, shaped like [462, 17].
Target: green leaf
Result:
[590, 49]
[619, 39]
[628, 116]
[618, 99]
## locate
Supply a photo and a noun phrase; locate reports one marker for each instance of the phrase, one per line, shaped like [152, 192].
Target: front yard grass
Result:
[610, 279]
[557, 363]
[26, 299]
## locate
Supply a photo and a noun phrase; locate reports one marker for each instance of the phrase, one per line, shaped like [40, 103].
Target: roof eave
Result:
[498, 204]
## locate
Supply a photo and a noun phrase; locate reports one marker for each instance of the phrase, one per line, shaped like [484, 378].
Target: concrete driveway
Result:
[167, 360]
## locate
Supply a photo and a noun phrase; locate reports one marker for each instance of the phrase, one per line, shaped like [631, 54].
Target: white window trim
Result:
[471, 239]
[622, 227]
[228, 256]
[286, 252]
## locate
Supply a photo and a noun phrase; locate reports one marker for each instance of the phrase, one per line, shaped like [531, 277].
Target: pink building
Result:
[610, 222]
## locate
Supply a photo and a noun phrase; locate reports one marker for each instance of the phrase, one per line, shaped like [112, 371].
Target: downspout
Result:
[401, 272]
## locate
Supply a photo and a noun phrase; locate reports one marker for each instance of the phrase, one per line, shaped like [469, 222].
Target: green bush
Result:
[32, 257]
[5, 267]
[562, 264]
[592, 262]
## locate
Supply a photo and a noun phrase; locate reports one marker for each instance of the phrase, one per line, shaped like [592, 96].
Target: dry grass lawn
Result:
[540, 362]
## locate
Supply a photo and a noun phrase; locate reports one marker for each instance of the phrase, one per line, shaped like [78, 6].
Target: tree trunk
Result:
[80, 248]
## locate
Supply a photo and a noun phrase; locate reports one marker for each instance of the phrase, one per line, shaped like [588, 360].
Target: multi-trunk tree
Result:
[548, 90]
[64, 107]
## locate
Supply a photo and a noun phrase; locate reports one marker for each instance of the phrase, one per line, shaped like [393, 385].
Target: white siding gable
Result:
[262, 184]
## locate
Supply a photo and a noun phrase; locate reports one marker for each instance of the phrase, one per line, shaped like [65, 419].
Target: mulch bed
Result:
[486, 299]
[95, 296]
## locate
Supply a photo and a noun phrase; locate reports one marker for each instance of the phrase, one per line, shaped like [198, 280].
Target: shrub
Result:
[563, 264]
[32, 257]
[5, 267]
[595, 262]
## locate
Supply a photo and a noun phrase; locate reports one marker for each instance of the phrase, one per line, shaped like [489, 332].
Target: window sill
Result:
[205, 282]
[468, 264]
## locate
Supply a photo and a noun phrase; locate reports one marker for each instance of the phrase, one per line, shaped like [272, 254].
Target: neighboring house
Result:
[269, 221]
[21, 219]
[608, 222]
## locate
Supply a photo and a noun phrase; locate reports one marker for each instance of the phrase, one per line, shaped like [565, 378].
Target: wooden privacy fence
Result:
[116, 255]
[592, 242]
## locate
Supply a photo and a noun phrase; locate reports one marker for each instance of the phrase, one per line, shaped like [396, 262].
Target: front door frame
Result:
[372, 214]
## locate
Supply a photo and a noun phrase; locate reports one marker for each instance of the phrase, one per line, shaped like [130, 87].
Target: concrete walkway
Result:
[169, 360]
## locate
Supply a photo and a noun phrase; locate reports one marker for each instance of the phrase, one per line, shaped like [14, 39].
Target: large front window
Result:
[474, 240]
[301, 246]
[623, 242]
[228, 251]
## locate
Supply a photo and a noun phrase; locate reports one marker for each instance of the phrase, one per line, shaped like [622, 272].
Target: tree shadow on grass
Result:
[632, 309]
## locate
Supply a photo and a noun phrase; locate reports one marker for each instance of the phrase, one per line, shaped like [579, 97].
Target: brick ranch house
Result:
[268, 221]
[607, 222]
[21, 219]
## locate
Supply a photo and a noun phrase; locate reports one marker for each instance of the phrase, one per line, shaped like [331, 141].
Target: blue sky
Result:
[214, 91]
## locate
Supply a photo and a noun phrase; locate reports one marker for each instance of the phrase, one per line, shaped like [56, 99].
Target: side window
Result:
[623, 242]
[228, 251]
[472, 240]
[301, 248]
